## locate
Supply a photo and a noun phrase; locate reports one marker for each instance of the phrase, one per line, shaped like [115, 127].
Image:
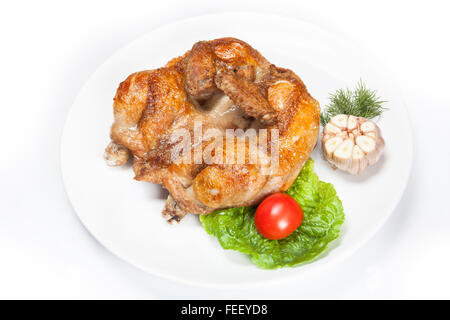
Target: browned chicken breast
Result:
[218, 85]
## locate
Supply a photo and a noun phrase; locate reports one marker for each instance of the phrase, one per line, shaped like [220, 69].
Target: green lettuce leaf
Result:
[323, 216]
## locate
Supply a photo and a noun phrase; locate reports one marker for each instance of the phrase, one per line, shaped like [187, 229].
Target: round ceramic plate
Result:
[125, 215]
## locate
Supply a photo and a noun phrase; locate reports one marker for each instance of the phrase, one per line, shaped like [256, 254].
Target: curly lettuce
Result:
[323, 217]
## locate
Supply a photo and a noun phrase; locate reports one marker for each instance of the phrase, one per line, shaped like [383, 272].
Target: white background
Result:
[49, 49]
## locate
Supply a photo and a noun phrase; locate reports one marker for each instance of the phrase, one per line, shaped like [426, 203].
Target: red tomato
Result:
[278, 216]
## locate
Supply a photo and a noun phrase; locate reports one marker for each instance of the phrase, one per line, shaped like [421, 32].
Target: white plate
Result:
[125, 215]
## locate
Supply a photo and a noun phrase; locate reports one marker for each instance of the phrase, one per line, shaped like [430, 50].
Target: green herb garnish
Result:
[361, 102]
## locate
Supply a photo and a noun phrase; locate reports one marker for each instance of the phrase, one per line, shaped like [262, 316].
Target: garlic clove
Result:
[343, 154]
[367, 126]
[340, 121]
[332, 144]
[367, 144]
[352, 123]
[331, 129]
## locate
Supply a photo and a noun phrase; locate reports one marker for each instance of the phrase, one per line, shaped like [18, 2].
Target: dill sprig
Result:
[361, 102]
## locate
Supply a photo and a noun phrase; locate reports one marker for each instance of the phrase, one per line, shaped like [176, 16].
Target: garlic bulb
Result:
[352, 143]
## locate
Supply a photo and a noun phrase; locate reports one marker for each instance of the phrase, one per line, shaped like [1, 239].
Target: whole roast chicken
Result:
[223, 87]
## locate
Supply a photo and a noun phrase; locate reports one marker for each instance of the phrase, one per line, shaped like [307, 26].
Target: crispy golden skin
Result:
[223, 83]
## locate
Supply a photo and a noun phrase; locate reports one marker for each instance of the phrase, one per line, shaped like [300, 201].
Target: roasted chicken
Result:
[221, 84]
